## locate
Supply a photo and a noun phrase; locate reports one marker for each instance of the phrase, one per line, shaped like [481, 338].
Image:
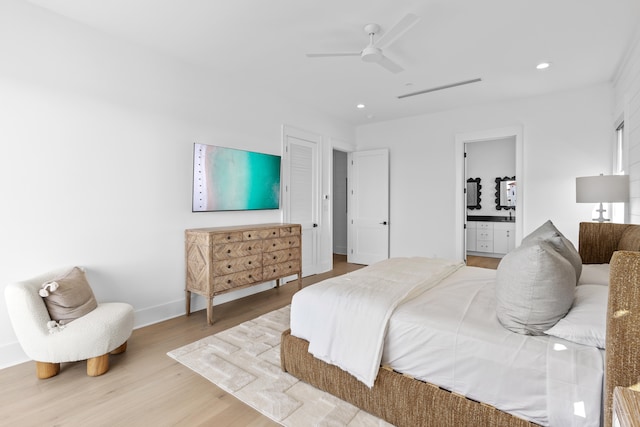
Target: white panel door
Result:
[368, 206]
[301, 191]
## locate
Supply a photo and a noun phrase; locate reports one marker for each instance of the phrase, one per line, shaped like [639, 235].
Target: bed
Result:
[411, 400]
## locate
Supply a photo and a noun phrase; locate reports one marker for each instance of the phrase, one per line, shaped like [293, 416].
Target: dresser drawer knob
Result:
[249, 247]
[274, 233]
[229, 281]
[228, 237]
[249, 262]
[274, 245]
[274, 257]
[249, 235]
[250, 276]
[229, 266]
[228, 251]
[274, 270]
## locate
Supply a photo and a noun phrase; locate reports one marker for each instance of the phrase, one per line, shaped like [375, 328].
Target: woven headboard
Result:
[623, 326]
[619, 245]
[599, 240]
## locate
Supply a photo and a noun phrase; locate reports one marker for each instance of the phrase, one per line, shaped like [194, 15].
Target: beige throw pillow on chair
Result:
[68, 297]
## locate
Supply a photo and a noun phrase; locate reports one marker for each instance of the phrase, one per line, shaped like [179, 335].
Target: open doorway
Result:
[340, 183]
[491, 199]
[360, 208]
[462, 234]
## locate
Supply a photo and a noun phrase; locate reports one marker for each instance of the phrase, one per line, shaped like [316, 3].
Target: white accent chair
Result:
[92, 337]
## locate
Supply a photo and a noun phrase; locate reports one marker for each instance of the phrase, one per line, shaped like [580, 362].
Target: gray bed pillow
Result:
[548, 232]
[534, 288]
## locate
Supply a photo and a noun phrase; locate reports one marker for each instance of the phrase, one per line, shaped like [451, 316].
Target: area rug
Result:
[244, 361]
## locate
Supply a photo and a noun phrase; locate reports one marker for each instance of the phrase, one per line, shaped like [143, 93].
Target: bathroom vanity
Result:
[491, 236]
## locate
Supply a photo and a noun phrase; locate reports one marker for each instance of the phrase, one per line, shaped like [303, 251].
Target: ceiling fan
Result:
[373, 51]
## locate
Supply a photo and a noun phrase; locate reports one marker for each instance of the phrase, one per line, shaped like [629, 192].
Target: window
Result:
[618, 167]
[618, 209]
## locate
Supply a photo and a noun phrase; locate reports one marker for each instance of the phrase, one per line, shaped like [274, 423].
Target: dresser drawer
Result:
[235, 250]
[481, 225]
[275, 257]
[230, 281]
[232, 236]
[260, 234]
[283, 269]
[271, 245]
[290, 231]
[234, 265]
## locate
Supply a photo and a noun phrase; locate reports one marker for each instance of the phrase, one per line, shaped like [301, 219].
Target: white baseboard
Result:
[12, 354]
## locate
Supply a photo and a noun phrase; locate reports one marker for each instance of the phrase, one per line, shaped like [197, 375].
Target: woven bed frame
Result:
[405, 401]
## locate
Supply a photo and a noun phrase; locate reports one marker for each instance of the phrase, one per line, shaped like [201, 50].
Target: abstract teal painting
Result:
[228, 179]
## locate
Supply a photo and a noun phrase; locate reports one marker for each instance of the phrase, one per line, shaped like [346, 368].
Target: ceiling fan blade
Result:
[397, 30]
[433, 89]
[323, 55]
[390, 65]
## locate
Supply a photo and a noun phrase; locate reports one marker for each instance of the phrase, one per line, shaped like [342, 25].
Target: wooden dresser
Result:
[224, 259]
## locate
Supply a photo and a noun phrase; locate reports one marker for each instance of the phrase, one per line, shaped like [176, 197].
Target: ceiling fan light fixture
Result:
[360, 106]
[543, 65]
[371, 54]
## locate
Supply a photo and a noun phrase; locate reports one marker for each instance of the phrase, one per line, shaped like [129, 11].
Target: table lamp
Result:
[602, 189]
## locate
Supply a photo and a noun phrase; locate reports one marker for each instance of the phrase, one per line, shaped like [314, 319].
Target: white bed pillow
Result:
[586, 321]
[594, 274]
[534, 288]
[548, 232]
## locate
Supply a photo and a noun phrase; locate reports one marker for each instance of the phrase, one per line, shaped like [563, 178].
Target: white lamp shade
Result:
[602, 189]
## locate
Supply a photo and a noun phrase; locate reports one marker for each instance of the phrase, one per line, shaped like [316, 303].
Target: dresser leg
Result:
[187, 300]
[210, 311]
[299, 279]
[277, 283]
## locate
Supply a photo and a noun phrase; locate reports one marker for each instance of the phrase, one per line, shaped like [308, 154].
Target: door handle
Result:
[315, 225]
[384, 223]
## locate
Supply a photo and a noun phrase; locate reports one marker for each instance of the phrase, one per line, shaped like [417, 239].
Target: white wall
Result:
[565, 135]
[96, 159]
[627, 107]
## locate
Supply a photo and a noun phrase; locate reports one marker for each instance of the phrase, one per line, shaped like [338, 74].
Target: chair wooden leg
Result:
[98, 365]
[120, 349]
[46, 370]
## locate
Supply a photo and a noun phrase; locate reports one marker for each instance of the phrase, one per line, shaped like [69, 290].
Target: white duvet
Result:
[345, 318]
[450, 336]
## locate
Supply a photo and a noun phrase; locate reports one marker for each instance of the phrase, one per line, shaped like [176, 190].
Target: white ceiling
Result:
[263, 42]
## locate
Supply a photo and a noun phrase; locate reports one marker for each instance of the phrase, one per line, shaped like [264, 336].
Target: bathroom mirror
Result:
[506, 192]
[473, 193]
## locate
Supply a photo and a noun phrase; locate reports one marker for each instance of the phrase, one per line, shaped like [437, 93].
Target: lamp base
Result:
[601, 218]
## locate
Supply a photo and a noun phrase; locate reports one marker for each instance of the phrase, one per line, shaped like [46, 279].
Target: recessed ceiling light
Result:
[543, 65]
[361, 106]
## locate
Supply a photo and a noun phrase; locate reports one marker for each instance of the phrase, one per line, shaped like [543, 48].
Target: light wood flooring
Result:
[482, 261]
[144, 386]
